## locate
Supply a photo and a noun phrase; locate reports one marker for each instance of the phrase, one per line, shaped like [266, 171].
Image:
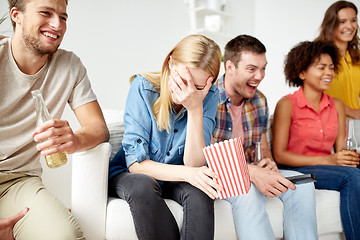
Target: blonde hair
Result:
[194, 51]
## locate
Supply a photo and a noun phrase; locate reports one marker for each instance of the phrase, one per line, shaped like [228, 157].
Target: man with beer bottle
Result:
[30, 60]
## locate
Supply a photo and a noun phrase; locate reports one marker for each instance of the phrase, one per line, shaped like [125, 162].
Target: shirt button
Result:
[168, 153]
[138, 141]
[175, 130]
[229, 128]
[321, 130]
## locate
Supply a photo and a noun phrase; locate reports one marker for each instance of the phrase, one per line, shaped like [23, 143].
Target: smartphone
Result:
[303, 178]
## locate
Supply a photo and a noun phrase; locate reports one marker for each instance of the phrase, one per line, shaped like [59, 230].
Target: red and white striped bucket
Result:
[228, 161]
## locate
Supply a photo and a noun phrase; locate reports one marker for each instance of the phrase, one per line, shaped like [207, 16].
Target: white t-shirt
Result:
[63, 79]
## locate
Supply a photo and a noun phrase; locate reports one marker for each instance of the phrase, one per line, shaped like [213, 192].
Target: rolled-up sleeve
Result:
[138, 121]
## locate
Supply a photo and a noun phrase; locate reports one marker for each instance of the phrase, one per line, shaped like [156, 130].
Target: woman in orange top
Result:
[340, 27]
[308, 123]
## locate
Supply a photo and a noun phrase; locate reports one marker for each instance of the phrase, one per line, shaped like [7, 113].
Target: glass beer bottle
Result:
[350, 141]
[258, 153]
[56, 159]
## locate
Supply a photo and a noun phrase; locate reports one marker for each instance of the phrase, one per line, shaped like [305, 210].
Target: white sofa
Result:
[101, 217]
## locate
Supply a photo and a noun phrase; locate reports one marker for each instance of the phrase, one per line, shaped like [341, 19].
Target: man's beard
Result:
[34, 45]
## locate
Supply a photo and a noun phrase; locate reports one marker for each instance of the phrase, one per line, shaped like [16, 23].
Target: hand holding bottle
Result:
[52, 134]
[55, 136]
[343, 158]
[263, 162]
[268, 164]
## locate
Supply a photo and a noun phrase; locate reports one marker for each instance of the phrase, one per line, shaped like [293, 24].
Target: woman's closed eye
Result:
[199, 87]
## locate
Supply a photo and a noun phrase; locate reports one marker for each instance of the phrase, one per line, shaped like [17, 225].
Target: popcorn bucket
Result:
[228, 161]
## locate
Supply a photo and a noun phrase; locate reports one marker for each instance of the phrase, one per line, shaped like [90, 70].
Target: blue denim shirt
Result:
[143, 140]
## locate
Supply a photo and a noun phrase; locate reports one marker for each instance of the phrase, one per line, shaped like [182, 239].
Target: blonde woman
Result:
[169, 117]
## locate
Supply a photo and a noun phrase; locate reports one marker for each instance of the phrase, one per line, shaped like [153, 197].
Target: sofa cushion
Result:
[116, 135]
[115, 123]
[328, 213]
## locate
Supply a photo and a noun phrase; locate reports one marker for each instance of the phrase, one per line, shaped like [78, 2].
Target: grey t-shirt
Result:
[63, 79]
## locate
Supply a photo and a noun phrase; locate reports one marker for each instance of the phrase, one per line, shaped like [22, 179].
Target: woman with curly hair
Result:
[309, 123]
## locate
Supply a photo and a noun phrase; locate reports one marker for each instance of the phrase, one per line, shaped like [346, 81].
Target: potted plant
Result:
[3, 18]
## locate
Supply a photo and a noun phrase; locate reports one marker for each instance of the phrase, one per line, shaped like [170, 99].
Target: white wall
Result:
[117, 38]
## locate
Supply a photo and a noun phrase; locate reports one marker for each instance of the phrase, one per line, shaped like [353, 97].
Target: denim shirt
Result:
[143, 140]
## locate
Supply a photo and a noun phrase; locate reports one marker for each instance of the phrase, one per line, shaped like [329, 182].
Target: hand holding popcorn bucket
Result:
[228, 161]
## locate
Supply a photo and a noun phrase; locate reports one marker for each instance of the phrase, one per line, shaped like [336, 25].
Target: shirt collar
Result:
[303, 102]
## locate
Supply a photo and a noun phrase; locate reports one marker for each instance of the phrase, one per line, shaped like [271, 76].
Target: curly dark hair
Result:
[303, 55]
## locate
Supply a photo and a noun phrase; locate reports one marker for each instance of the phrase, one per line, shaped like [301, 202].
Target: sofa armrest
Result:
[89, 190]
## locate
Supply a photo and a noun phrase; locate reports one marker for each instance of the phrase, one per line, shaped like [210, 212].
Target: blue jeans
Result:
[346, 180]
[299, 220]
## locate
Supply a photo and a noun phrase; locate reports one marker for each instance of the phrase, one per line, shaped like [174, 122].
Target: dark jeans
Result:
[346, 180]
[152, 217]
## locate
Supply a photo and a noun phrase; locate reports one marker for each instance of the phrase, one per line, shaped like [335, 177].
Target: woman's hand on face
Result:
[344, 158]
[203, 179]
[184, 91]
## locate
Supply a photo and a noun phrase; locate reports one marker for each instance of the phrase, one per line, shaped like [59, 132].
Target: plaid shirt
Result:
[254, 115]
